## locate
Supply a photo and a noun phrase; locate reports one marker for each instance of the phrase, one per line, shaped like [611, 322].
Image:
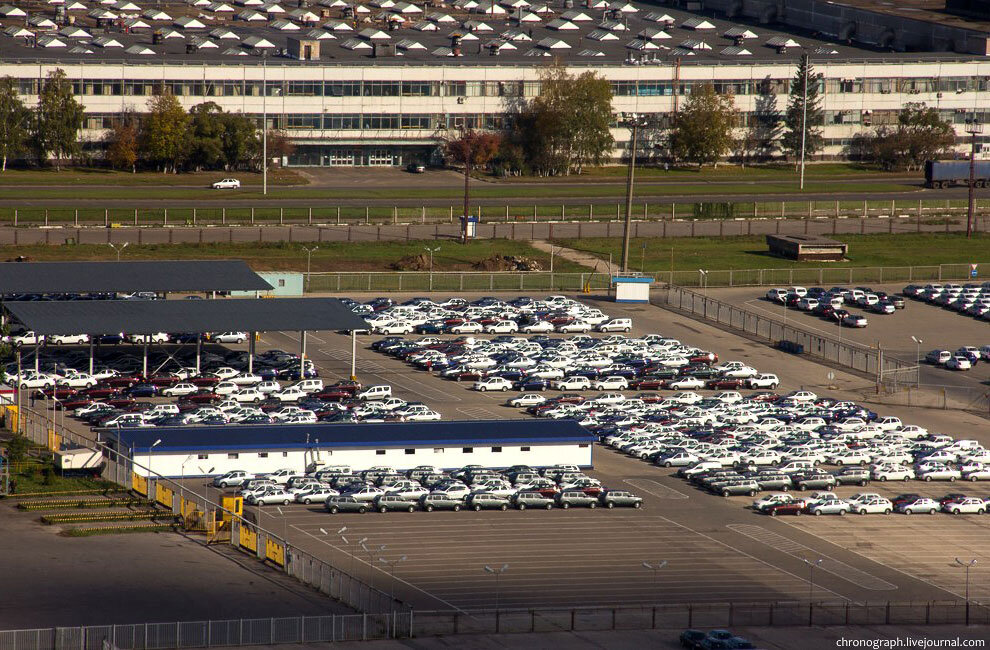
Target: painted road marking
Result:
[658, 490]
[795, 549]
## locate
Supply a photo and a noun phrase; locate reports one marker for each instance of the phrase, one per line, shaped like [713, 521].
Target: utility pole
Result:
[264, 123]
[806, 60]
[309, 257]
[632, 121]
[974, 129]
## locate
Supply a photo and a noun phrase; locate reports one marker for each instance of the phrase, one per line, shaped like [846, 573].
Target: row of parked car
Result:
[830, 303]
[865, 503]
[969, 299]
[964, 358]
[486, 315]
[538, 363]
[428, 488]
[25, 337]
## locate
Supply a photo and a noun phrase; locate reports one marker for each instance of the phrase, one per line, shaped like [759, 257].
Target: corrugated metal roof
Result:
[310, 436]
[97, 277]
[150, 316]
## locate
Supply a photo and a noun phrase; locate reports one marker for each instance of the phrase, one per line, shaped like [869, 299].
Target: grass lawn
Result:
[691, 254]
[780, 172]
[411, 196]
[284, 256]
[93, 176]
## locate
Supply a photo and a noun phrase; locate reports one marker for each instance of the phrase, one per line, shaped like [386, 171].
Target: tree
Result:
[58, 119]
[241, 141]
[795, 116]
[206, 130]
[702, 131]
[921, 135]
[472, 149]
[762, 138]
[566, 127]
[279, 146]
[164, 133]
[121, 142]
[14, 117]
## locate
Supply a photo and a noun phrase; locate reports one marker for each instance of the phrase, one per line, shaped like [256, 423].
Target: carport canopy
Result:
[108, 277]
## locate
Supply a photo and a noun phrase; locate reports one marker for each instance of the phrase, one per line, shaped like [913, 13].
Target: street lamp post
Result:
[182, 477]
[806, 60]
[655, 568]
[634, 121]
[150, 450]
[309, 259]
[285, 525]
[118, 250]
[371, 552]
[967, 565]
[974, 129]
[918, 343]
[264, 123]
[391, 566]
[431, 251]
[340, 532]
[703, 279]
[497, 572]
[811, 582]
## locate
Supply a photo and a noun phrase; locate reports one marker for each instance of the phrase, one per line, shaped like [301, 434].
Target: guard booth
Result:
[469, 226]
[632, 288]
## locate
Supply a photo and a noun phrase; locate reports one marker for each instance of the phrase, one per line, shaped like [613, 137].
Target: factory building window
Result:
[524, 449]
[410, 452]
[262, 454]
[438, 450]
[585, 446]
[496, 450]
[232, 456]
[202, 456]
[379, 452]
[468, 450]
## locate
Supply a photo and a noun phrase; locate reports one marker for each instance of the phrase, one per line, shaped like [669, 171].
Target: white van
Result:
[615, 325]
[381, 391]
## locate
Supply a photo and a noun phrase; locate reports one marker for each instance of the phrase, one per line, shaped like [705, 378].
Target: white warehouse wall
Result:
[167, 463]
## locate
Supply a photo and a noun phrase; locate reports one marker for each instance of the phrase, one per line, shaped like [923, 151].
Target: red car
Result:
[795, 507]
[125, 381]
[347, 385]
[725, 383]
[707, 357]
[203, 396]
[59, 393]
[164, 380]
[100, 391]
[650, 398]
[647, 383]
[469, 375]
[121, 402]
[205, 380]
[333, 394]
[76, 403]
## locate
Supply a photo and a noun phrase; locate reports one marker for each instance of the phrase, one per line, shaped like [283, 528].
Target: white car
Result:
[376, 392]
[226, 388]
[393, 327]
[539, 327]
[967, 506]
[763, 380]
[78, 380]
[492, 383]
[741, 372]
[833, 506]
[578, 326]
[227, 184]
[801, 396]
[33, 379]
[772, 499]
[573, 383]
[503, 327]
[527, 399]
[180, 390]
[25, 338]
[612, 383]
[958, 363]
[290, 394]
[682, 383]
[982, 474]
[246, 379]
[269, 496]
[875, 505]
[423, 415]
[921, 504]
[268, 386]
[158, 337]
[884, 473]
[68, 339]
[247, 395]
[939, 473]
[850, 457]
[317, 494]
[467, 327]
[230, 337]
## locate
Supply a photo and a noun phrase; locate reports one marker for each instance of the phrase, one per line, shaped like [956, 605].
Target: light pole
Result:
[340, 532]
[118, 250]
[309, 258]
[497, 572]
[703, 279]
[806, 60]
[811, 583]
[918, 343]
[264, 123]
[967, 565]
[655, 568]
[431, 251]
[371, 552]
[974, 129]
[631, 120]
[182, 478]
[391, 565]
[150, 449]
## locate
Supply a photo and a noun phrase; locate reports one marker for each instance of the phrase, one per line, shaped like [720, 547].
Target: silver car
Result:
[829, 507]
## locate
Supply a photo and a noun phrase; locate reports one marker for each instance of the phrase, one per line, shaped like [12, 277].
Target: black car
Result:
[692, 639]
[531, 383]
[142, 390]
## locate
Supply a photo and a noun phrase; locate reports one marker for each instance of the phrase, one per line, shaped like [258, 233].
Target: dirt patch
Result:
[420, 262]
[507, 263]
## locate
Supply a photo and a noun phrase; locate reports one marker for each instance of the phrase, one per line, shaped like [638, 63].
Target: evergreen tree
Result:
[795, 116]
[58, 119]
[766, 129]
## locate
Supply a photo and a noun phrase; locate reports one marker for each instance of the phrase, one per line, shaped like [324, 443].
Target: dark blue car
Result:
[142, 390]
[531, 383]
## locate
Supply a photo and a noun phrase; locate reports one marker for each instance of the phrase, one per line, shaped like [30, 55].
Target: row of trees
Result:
[920, 134]
[166, 137]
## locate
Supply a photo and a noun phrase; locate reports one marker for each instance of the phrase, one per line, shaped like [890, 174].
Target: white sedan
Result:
[876, 505]
[573, 383]
[316, 495]
[892, 473]
[158, 337]
[958, 363]
[527, 399]
[684, 383]
[32, 379]
[467, 327]
[850, 457]
[966, 506]
[539, 327]
[578, 326]
[503, 327]
[247, 395]
[79, 380]
[230, 337]
[982, 474]
[226, 388]
[492, 383]
[423, 416]
[943, 473]
[227, 184]
[68, 339]
[393, 327]
[612, 383]
[290, 394]
[180, 390]
[742, 372]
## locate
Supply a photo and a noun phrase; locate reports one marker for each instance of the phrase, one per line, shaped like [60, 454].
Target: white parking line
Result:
[658, 490]
[322, 539]
[795, 549]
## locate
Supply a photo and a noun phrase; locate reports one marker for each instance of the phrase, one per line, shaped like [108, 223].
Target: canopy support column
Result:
[199, 350]
[37, 345]
[353, 355]
[302, 355]
[91, 353]
[144, 364]
[251, 352]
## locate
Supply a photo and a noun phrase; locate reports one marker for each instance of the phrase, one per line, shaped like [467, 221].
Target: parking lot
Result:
[715, 549]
